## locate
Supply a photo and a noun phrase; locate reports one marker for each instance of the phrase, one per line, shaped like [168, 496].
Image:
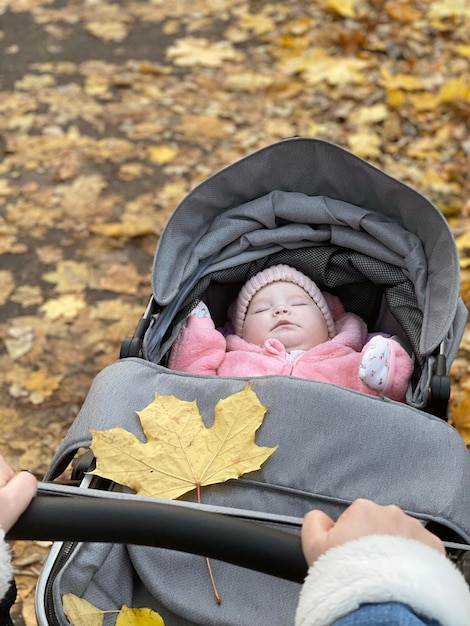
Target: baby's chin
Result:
[290, 344]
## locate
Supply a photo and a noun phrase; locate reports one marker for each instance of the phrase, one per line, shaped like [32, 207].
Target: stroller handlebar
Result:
[250, 544]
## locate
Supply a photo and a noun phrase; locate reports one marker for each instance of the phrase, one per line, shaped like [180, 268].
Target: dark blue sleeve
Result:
[386, 614]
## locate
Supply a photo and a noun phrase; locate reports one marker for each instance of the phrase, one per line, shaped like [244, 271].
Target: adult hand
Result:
[362, 517]
[16, 492]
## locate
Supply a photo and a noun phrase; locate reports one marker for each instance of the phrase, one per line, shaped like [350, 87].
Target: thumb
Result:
[315, 532]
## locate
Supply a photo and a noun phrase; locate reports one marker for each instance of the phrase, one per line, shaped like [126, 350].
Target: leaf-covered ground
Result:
[110, 112]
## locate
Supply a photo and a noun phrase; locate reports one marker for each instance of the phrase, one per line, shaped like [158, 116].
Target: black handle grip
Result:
[245, 543]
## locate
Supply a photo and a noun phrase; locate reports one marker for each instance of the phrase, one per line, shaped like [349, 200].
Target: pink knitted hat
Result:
[274, 274]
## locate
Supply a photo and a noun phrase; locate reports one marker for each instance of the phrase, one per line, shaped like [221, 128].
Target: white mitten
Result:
[200, 310]
[374, 366]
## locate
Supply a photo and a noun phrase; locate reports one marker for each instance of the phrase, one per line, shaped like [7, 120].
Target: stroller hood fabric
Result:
[304, 192]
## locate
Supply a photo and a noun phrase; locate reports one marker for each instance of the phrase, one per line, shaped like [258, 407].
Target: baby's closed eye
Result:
[260, 308]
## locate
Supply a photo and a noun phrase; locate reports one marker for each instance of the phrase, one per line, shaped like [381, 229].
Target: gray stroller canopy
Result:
[303, 194]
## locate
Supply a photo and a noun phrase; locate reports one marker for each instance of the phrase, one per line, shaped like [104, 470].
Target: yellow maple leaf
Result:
[67, 306]
[80, 612]
[192, 51]
[181, 454]
[69, 277]
[318, 68]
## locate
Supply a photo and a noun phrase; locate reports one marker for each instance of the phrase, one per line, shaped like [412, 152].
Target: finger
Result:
[315, 529]
[15, 497]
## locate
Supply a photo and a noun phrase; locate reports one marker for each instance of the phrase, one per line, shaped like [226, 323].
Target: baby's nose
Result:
[281, 309]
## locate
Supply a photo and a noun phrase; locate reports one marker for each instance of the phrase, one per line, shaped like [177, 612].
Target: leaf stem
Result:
[218, 599]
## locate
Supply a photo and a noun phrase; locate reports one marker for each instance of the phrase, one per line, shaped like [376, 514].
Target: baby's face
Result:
[286, 312]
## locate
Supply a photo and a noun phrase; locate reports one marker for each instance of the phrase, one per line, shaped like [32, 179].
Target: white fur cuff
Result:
[6, 571]
[379, 568]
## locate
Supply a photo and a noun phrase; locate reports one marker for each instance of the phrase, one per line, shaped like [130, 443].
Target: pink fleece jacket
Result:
[201, 349]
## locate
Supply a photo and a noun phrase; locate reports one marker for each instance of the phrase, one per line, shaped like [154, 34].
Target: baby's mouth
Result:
[282, 323]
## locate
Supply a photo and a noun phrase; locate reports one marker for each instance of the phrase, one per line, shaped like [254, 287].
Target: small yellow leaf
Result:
[257, 23]
[404, 82]
[138, 617]
[463, 50]
[161, 154]
[79, 612]
[345, 8]
[67, 306]
[365, 144]
[192, 51]
[69, 277]
[40, 381]
[108, 30]
[454, 90]
[247, 81]
[318, 68]
[402, 11]
[181, 454]
[7, 284]
[117, 230]
[27, 295]
[449, 9]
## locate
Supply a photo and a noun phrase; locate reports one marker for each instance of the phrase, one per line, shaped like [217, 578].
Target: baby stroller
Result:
[389, 255]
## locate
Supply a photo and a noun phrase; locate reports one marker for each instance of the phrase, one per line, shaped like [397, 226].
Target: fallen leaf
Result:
[365, 144]
[192, 51]
[402, 11]
[119, 278]
[161, 154]
[259, 23]
[449, 9]
[7, 284]
[80, 612]
[318, 68]
[123, 229]
[108, 31]
[404, 82]
[20, 341]
[41, 385]
[138, 617]
[345, 8]
[69, 277]
[27, 295]
[181, 454]
[67, 306]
